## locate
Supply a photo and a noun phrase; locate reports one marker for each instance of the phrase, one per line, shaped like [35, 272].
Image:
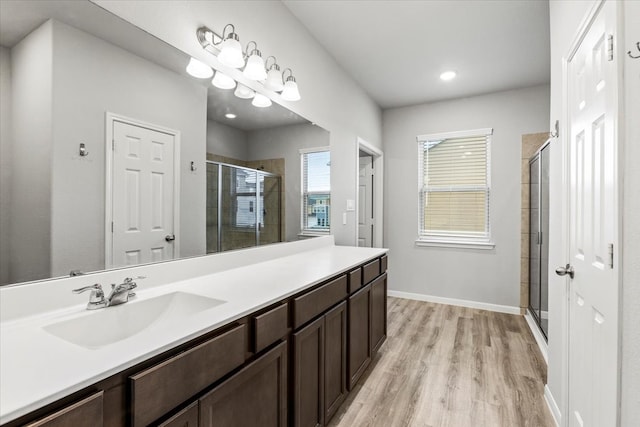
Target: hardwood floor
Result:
[450, 366]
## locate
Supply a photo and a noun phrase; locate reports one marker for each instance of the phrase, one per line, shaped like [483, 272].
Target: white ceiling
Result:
[396, 50]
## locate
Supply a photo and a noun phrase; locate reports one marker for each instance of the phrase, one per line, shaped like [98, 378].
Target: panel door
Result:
[308, 375]
[365, 202]
[359, 336]
[143, 195]
[335, 360]
[593, 201]
[255, 396]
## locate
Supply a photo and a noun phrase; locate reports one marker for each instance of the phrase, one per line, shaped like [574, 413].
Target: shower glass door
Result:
[270, 204]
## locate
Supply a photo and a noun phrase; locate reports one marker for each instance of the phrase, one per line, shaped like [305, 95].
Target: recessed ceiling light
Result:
[230, 116]
[448, 75]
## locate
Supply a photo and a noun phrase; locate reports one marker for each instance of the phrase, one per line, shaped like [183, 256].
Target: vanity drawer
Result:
[270, 326]
[161, 388]
[383, 264]
[87, 412]
[370, 271]
[355, 280]
[316, 302]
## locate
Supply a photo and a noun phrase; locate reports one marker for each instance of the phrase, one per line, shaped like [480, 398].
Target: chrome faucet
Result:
[119, 293]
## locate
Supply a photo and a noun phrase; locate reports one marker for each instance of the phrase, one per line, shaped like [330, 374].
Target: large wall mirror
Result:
[112, 155]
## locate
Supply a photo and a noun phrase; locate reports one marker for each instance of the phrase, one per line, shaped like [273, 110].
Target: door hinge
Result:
[610, 47]
[610, 249]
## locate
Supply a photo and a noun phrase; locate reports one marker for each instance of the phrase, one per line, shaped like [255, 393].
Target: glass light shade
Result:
[274, 80]
[255, 68]
[448, 75]
[199, 69]
[261, 101]
[222, 81]
[231, 53]
[244, 92]
[290, 91]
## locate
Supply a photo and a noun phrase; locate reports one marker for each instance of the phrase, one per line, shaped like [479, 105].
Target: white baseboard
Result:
[537, 334]
[553, 406]
[459, 302]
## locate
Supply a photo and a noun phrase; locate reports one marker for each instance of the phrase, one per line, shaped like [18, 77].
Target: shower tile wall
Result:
[530, 144]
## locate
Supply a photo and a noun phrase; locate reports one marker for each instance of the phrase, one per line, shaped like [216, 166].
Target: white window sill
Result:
[313, 233]
[456, 244]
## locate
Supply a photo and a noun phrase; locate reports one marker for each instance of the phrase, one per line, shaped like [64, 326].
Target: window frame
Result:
[449, 238]
[309, 231]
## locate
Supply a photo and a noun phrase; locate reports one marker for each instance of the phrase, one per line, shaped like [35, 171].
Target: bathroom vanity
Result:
[277, 342]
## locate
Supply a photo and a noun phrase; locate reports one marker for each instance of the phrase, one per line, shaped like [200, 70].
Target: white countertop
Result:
[37, 368]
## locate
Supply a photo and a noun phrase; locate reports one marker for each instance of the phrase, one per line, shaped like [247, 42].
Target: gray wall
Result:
[488, 276]
[5, 161]
[330, 97]
[285, 142]
[226, 141]
[31, 98]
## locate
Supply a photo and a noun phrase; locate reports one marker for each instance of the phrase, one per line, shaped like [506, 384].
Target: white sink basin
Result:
[106, 326]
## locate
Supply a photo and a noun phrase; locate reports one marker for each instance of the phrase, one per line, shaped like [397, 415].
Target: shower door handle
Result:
[170, 237]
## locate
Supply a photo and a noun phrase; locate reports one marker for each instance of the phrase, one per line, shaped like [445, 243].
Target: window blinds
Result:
[316, 191]
[454, 188]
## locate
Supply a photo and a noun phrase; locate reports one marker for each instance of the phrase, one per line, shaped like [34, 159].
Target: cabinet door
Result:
[255, 396]
[335, 360]
[378, 312]
[188, 417]
[87, 412]
[359, 307]
[308, 375]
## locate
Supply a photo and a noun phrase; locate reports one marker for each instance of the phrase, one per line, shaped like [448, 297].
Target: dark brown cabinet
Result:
[188, 417]
[359, 334]
[378, 312]
[85, 413]
[319, 368]
[255, 396]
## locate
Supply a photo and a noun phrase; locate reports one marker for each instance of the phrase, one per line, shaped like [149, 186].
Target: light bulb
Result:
[244, 92]
[290, 91]
[230, 116]
[255, 67]
[448, 75]
[222, 81]
[261, 101]
[231, 52]
[199, 69]
[274, 80]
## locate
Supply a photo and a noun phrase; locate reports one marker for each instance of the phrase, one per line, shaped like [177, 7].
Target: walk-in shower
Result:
[243, 207]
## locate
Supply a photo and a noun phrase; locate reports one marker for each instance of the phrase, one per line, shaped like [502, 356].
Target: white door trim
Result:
[110, 118]
[378, 193]
[564, 138]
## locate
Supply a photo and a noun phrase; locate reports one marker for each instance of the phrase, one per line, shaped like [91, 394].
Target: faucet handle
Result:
[96, 299]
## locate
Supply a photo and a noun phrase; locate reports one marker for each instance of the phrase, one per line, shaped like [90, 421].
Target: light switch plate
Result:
[351, 205]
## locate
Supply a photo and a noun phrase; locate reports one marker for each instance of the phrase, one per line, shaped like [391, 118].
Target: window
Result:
[316, 190]
[454, 189]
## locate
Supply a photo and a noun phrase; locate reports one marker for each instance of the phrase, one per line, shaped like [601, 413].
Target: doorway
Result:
[142, 193]
[369, 182]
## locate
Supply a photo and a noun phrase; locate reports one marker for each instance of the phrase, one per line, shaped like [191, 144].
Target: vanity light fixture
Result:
[290, 91]
[254, 69]
[448, 75]
[222, 81]
[199, 69]
[244, 92]
[274, 76]
[261, 101]
[228, 49]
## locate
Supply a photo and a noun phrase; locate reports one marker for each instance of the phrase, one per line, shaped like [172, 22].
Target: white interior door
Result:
[593, 223]
[143, 195]
[365, 202]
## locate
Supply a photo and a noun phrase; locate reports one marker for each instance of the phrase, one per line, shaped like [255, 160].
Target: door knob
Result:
[170, 237]
[562, 271]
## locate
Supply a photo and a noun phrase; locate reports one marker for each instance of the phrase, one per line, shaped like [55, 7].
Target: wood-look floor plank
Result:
[443, 365]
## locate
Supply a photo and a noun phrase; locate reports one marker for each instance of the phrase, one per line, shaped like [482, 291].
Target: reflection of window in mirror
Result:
[316, 190]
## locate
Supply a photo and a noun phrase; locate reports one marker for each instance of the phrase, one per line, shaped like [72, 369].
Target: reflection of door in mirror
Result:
[144, 197]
